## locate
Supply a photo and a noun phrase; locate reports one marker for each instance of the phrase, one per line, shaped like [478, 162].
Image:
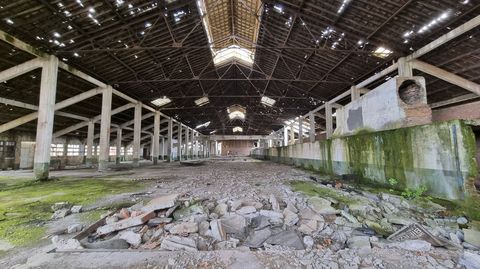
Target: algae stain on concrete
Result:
[313, 189]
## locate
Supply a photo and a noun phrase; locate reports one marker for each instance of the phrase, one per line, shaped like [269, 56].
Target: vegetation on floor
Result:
[314, 189]
[25, 206]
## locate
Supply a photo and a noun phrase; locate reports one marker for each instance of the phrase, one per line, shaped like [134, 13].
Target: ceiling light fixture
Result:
[161, 101]
[202, 101]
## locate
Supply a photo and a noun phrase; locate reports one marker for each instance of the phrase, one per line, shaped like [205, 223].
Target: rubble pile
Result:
[348, 219]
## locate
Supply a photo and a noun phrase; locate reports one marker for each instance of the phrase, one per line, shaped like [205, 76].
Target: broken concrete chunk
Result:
[74, 228]
[235, 205]
[309, 214]
[178, 243]
[256, 238]
[63, 244]
[358, 242]
[131, 238]
[412, 245]
[472, 237]
[187, 212]
[290, 218]
[230, 244]
[157, 221]
[321, 206]
[161, 202]
[184, 228]
[246, 210]
[126, 223]
[235, 224]
[287, 239]
[470, 260]
[218, 231]
[124, 213]
[349, 217]
[221, 209]
[274, 203]
[111, 219]
[203, 228]
[61, 205]
[61, 213]
[76, 209]
[271, 214]
[307, 226]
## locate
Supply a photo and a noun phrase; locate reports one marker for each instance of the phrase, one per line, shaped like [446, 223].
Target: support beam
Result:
[187, 140]
[292, 135]
[285, 136]
[170, 140]
[46, 112]
[447, 76]
[329, 119]
[458, 99]
[311, 133]
[156, 138]
[179, 142]
[163, 148]
[354, 93]
[118, 157]
[20, 69]
[137, 129]
[103, 157]
[404, 68]
[90, 133]
[300, 130]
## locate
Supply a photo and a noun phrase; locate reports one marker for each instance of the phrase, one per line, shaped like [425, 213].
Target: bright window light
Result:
[267, 101]
[233, 52]
[236, 112]
[382, 52]
[161, 101]
[202, 101]
[203, 125]
[237, 129]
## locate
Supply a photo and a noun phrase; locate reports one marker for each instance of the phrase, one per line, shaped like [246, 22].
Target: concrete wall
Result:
[237, 147]
[440, 156]
[389, 106]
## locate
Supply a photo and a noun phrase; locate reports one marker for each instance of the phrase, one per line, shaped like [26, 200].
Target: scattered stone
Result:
[111, 219]
[61, 213]
[462, 220]
[349, 217]
[203, 228]
[321, 206]
[358, 242]
[114, 243]
[74, 228]
[61, 205]
[413, 245]
[271, 214]
[184, 228]
[229, 244]
[221, 209]
[274, 202]
[235, 205]
[124, 213]
[470, 260]
[218, 231]
[133, 239]
[63, 244]
[288, 239]
[76, 209]
[308, 241]
[161, 202]
[307, 226]
[309, 214]
[246, 210]
[290, 218]
[454, 238]
[235, 224]
[472, 237]
[256, 238]
[178, 243]
[157, 221]
[187, 212]
[399, 220]
[126, 223]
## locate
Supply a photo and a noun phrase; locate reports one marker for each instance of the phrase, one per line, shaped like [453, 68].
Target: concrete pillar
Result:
[156, 137]
[329, 120]
[46, 111]
[285, 136]
[163, 148]
[292, 135]
[105, 129]
[354, 93]
[179, 142]
[90, 135]
[300, 130]
[311, 133]
[170, 140]
[404, 68]
[187, 140]
[137, 132]
[118, 157]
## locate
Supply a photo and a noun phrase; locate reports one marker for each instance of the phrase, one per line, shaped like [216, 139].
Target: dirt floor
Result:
[350, 237]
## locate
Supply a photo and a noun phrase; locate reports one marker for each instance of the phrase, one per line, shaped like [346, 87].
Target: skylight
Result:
[202, 101]
[343, 6]
[233, 52]
[382, 52]
[236, 112]
[161, 101]
[237, 129]
[203, 125]
[267, 101]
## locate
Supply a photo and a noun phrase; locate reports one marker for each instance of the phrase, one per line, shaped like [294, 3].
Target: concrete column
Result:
[156, 137]
[187, 140]
[137, 132]
[46, 111]
[179, 142]
[163, 148]
[300, 130]
[404, 68]
[170, 140]
[152, 138]
[90, 135]
[354, 93]
[329, 120]
[292, 135]
[105, 129]
[118, 157]
[311, 133]
[285, 136]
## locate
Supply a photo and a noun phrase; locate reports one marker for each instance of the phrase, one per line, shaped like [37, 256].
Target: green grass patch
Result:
[26, 205]
[314, 189]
